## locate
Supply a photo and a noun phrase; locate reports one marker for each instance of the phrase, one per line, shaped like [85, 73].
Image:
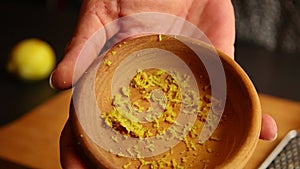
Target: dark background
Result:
[267, 52]
[19, 20]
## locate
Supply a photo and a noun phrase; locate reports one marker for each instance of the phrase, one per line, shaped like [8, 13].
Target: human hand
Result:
[215, 18]
[217, 26]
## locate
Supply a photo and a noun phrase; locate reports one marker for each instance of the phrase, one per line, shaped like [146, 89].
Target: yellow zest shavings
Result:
[107, 62]
[115, 120]
[115, 139]
[125, 91]
[150, 147]
[161, 163]
[126, 166]
[189, 144]
[159, 37]
[113, 52]
[194, 131]
[183, 159]
[137, 105]
[141, 87]
[144, 83]
[120, 154]
[204, 109]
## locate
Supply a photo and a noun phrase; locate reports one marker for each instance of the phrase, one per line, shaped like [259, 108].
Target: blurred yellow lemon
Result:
[31, 59]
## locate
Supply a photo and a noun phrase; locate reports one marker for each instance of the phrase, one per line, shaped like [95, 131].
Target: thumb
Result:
[88, 40]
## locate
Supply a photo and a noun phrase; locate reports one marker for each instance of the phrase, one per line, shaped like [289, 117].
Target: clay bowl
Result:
[94, 122]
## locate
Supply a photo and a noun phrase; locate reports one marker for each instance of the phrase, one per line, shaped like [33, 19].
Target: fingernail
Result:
[275, 137]
[50, 80]
[272, 139]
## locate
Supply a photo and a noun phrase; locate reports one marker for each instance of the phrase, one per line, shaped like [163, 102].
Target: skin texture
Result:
[214, 17]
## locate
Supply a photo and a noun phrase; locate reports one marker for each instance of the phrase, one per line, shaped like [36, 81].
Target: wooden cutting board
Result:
[33, 140]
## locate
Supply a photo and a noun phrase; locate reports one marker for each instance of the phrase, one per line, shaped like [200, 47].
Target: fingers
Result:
[217, 21]
[88, 40]
[68, 155]
[224, 36]
[269, 128]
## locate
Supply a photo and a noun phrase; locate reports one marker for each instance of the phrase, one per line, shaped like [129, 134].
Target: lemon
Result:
[31, 60]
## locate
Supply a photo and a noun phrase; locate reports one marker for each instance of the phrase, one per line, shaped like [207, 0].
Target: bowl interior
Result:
[230, 145]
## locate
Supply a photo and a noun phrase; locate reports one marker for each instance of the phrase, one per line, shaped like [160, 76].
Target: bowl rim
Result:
[248, 145]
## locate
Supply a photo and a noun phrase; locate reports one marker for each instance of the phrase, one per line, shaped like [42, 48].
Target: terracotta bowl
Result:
[94, 115]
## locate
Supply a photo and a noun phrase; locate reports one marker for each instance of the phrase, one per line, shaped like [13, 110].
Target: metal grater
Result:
[289, 157]
[286, 155]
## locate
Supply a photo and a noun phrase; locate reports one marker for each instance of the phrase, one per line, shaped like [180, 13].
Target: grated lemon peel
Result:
[107, 62]
[125, 122]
